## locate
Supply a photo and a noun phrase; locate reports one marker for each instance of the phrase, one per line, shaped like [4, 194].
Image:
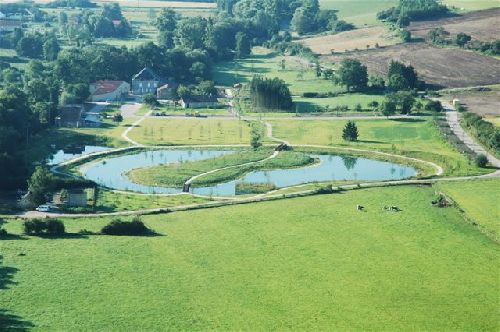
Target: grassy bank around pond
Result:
[310, 263]
[176, 174]
[417, 138]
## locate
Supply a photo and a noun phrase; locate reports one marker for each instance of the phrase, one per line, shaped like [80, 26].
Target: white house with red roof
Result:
[109, 90]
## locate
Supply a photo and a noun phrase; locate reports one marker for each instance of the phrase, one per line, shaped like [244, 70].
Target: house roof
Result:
[146, 74]
[200, 99]
[170, 85]
[7, 23]
[104, 87]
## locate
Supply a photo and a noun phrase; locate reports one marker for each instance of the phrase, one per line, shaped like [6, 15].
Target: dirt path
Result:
[132, 126]
[129, 110]
[452, 117]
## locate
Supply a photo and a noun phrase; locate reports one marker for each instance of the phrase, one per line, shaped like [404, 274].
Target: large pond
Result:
[73, 152]
[111, 173]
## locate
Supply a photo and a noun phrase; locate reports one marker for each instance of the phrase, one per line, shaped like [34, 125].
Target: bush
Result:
[134, 227]
[44, 227]
[3, 232]
[481, 161]
[117, 117]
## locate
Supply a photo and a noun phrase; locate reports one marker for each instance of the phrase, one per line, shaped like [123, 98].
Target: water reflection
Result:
[330, 167]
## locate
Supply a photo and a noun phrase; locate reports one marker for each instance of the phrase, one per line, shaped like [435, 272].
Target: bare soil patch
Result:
[484, 103]
[364, 38]
[442, 67]
[483, 25]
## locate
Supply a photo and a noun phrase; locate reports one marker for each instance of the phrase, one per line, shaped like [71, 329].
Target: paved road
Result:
[129, 110]
[452, 117]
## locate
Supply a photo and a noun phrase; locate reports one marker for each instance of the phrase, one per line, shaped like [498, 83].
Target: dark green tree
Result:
[350, 132]
[353, 74]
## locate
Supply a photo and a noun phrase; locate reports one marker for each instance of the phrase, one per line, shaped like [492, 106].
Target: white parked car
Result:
[43, 208]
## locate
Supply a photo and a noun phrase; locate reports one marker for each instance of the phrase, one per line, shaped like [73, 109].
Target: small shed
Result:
[167, 91]
[76, 198]
[199, 101]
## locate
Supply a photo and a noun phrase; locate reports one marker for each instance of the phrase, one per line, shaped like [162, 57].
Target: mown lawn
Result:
[305, 264]
[416, 138]
[479, 199]
[165, 131]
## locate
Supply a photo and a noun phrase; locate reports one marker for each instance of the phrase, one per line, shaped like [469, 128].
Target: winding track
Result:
[257, 198]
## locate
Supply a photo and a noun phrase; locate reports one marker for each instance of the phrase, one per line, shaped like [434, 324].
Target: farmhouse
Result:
[70, 116]
[9, 25]
[109, 90]
[167, 91]
[146, 81]
[199, 101]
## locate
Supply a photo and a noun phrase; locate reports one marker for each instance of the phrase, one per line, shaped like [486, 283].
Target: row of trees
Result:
[354, 75]
[439, 36]
[413, 10]
[270, 93]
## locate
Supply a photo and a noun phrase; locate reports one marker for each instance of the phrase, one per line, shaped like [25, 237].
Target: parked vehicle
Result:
[43, 208]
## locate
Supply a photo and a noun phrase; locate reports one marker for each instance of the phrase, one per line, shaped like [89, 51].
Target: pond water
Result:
[112, 172]
[73, 152]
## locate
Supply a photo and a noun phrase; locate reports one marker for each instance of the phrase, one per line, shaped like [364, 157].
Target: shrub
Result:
[117, 117]
[55, 227]
[3, 232]
[44, 227]
[119, 227]
[481, 161]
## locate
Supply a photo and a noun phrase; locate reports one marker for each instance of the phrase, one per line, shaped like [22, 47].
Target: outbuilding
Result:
[109, 91]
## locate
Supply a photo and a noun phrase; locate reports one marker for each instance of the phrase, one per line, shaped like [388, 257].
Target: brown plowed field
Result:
[443, 67]
[483, 25]
[484, 103]
[350, 40]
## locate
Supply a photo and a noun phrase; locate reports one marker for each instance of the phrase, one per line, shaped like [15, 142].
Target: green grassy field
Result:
[155, 131]
[349, 100]
[416, 138]
[469, 5]
[303, 264]
[359, 12]
[266, 63]
[110, 201]
[478, 199]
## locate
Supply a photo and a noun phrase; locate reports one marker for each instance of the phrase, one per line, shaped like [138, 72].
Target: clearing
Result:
[442, 67]
[185, 131]
[361, 39]
[481, 25]
[308, 264]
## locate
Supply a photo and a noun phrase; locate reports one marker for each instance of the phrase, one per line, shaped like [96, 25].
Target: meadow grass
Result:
[264, 62]
[416, 138]
[312, 263]
[478, 199]
[350, 100]
[359, 12]
[469, 5]
[165, 131]
[110, 201]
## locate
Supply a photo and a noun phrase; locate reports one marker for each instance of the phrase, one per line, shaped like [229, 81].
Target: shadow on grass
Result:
[8, 321]
[9, 237]
[369, 141]
[409, 120]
